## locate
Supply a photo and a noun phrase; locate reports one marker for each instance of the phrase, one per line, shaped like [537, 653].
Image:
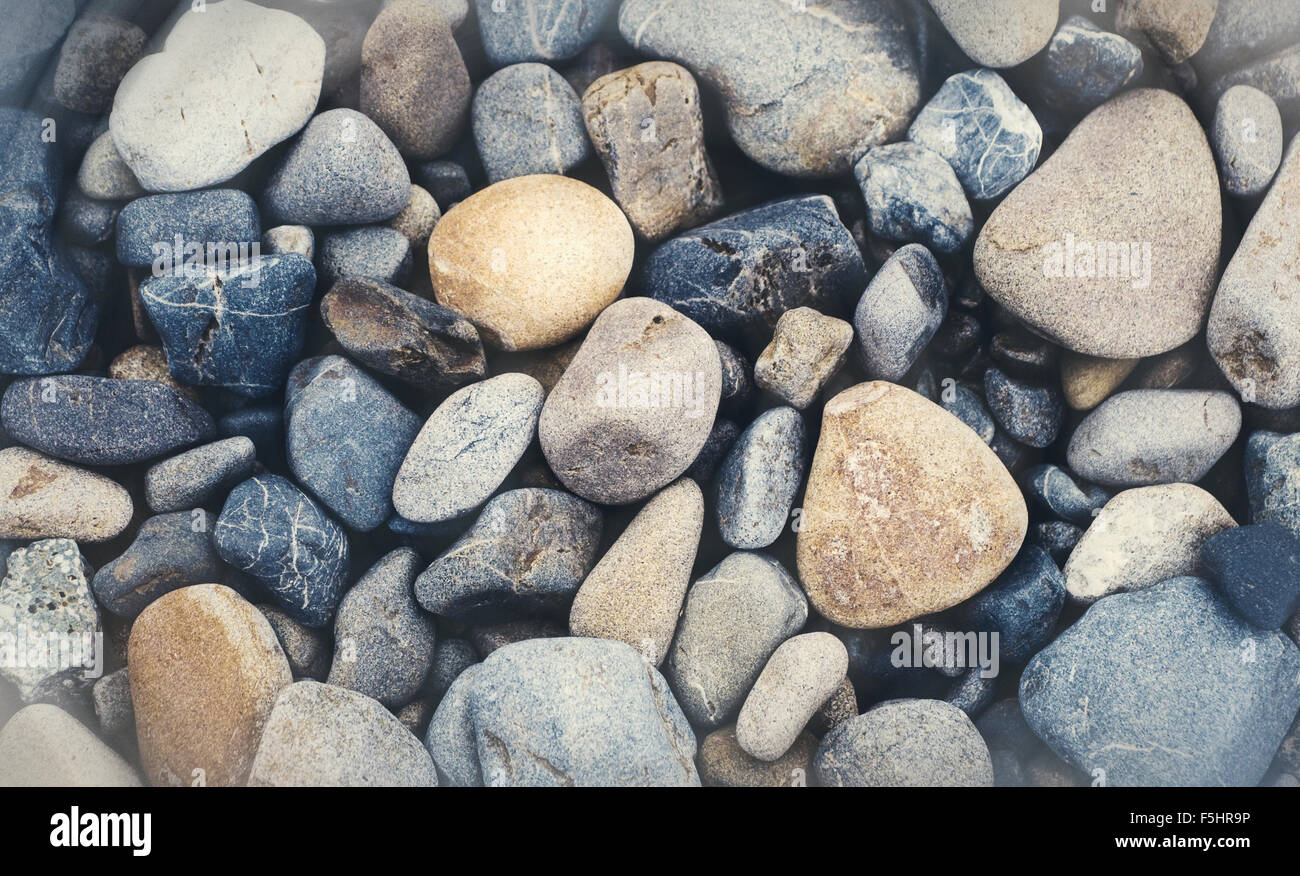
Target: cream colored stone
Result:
[1087, 381]
[41, 497]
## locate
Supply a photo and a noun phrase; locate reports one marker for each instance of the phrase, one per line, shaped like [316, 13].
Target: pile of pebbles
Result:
[656, 392]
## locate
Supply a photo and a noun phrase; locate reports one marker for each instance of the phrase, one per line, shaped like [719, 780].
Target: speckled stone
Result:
[112, 700]
[1030, 414]
[635, 405]
[85, 221]
[539, 30]
[451, 658]
[1021, 606]
[43, 746]
[148, 228]
[1166, 667]
[531, 261]
[205, 672]
[31, 32]
[1087, 381]
[43, 498]
[1257, 570]
[271, 530]
[373, 252]
[862, 559]
[383, 642]
[842, 706]
[467, 447]
[170, 551]
[1142, 537]
[757, 482]
[289, 238]
[526, 120]
[103, 173]
[900, 311]
[905, 743]
[735, 617]
[1084, 65]
[320, 735]
[306, 649]
[1246, 134]
[967, 406]
[634, 594]
[999, 33]
[417, 219]
[724, 764]
[913, 196]
[1050, 489]
[527, 554]
[1154, 436]
[806, 351]
[800, 676]
[195, 477]
[1272, 478]
[1176, 28]
[450, 736]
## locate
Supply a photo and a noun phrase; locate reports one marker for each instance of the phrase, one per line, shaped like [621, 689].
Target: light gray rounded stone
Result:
[1247, 138]
[900, 311]
[527, 119]
[43, 746]
[800, 676]
[450, 737]
[104, 175]
[760, 477]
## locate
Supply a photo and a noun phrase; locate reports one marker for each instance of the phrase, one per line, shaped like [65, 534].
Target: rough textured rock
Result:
[800, 676]
[899, 312]
[43, 746]
[170, 551]
[1272, 478]
[195, 477]
[807, 349]
[1177, 28]
[539, 30]
[43, 498]
[373, 252]
[913, 196]
[1246, 134]
[1087, 381]
[1030, 414]
[526, 120]
[1084, 66]
[307, 650]
[757, 482]
[97, 52]
[1257, 570]
[724, 764]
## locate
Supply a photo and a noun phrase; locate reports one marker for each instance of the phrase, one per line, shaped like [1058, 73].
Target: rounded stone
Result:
[43, 498]
[195, 477]
[913, 196]
[757, 482]
[527, 120]
[417, 219]
[148, 362]
[724, 764]
[1246, 134]
[105, 175]
[800, 676]
[170, 551]
[43, 746]
[1257, 569]
[373, 252]
[900, 311]
[307, 650]
[538, 30]
[1087, 381]
[1030, 414]
[97, 52]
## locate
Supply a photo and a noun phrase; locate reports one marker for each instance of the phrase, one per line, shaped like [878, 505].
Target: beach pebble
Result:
[1124, 267]
[907, 512]
[526, 554]
[527, 120]
[635, 405]
[96, 54]
[1087, 381]
[467, 447]
[804, 94]
[1021, 606]
[905, 743]
[1247, 138]
[1050, 488]
[372, 252]
[105, 175]
[807, 349]
[736, 276]
[913, 196]
[634, 594]
[1257, 570]
[799, 677]
[170, 551]
[451, 658]
[539, 30]
[968, 407]
[447, 181]
[721, 437]
[1030, 414]
[247, 77]
[30, 34]
[196, 477]
[158, 230]
[403, 335]
[531, 261]
[977, 125]
[724, 764]
[646, 125]
[289, 238]
[205, 672]
[306, 649]
[1142, 537]
[112, 700]
[342, 170]
[383, 642]
[449, 738]
[1273, 478]
[43, 498]
[1159, 673]
[1154, 436]
[417, 218]
[87, 222]
[42, 746]
[319, 735]
[271, 530]
[899, 312]
[1084, 66]
[999, 33]
[736, 615]
[345, 437]
[1177, 28]
[760, 477]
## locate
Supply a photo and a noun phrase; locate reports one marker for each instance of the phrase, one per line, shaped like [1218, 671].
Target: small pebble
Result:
[170, 551]
[899, 312]
[371, 252]
[306, 649]
[43, 498]
[1022, 29]
[1030, 414]
[196, 477]
[758, 480]
[527, 119]
[800, 676]
[1021, 606]
[724, 764]
[913, 196]
[1257, 570]
[807, 349]
[1247, 138]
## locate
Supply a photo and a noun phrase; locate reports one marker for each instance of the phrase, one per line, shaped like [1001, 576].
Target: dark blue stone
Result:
[172, 231]
[1050, 489]
[1022, 605]
[1257, 568]
[968, 407]
[723, 434]
[759, 479]
[1032, 415]
[1056, 537]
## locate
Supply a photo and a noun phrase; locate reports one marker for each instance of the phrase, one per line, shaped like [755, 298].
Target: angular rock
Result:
[913, 196]
[170, 551]
[760, 478]
[807, 349]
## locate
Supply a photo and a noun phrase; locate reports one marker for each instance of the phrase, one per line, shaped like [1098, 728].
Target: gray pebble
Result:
[170, 551]
[900, 311]
[307, 650]
[800, 676]
[451, 657]
[760, 477]
[195, 477]
[527, 119]
[913, 196]
[373, 252]
[806, 351]
[450, 739]
[1030, 414]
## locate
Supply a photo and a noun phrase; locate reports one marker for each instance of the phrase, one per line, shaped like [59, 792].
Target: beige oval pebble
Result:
[907, 511]
[205, 671]
[1087, 381]
[800, 676]
[531, 260]
[44, 746]
[44, 498]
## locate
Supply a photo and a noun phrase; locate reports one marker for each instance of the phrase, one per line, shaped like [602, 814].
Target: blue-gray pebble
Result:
[913, 196]
[172, 231]
[373, 252]
[1084, 65]
[1022, 605]
[538, 30]
[169, 552]
[760, 477]
[1257, 569]
[1030, 414]
[1273, 478]
[899, 312]
[527, 119]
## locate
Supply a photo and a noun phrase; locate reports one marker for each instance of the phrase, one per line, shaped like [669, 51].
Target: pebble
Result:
[383, 642]
[345, 437]
[646, 125]
[1051, 489]
[526, 554]
[373, 252]
[1048, 259]
[205, 672]
[913, 196]
[577, 712]
[800, 676]
[1177, 28]
[196, 477]
[634, 594]
[1246, 134]
[271, 530]
[735, 616]
[860, 555]
[158, 230]
[417, 219]
[148, 362]
[112, 700]
[968, 407]
[1084, 66]
[724, 764]
[488, 638]
[101, 421]
[1160, 673]
[413, 80]
[467, 447]
[1272, 478]
[737, 379]
[1022, 606]
[976, 124]
[170, 551]
[999, 33]
[527, 120]
[306, 649]
[447, 181]
[1257, 570]
[736, 276]
[450, 739]
[342, 170]
[408, 337]
[264, 426]
[899, 312]
[97, 52]
[721, 437]
[1087, 381]
[760, 478]
[1030, 414]
[841, 707]
[1154, 436]
[42, 746]
[635, 405]
[234, 111]
[319, 735]
[105, 175]
[87, 222]
[493, 259]
[905, 743]
[43, 498]
[289, 238]
[1252, 331]
[1144, 536]
[46, 605]
[1056, 537]
[804, 94]
[240, 329]
[806, 351]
